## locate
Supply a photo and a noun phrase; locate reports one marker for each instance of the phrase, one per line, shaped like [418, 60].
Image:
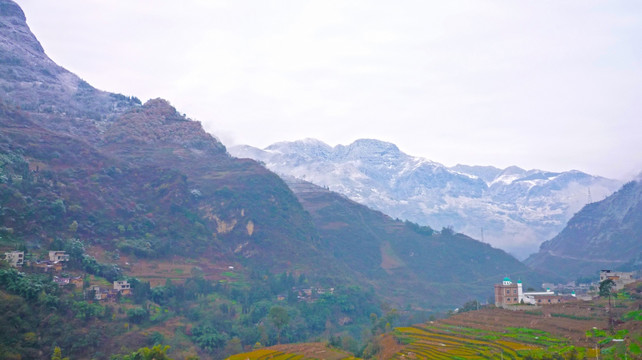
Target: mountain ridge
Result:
[416, 263]
[515, 209]
[603, 235]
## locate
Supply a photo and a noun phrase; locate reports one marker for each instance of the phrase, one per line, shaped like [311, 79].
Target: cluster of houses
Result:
[509, 294]
[54, 263]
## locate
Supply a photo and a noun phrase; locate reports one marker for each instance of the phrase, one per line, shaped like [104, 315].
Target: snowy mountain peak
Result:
[372, 146]
[308, 145]
[516, 208]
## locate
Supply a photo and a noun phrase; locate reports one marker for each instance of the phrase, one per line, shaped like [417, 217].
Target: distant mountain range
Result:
[603, 235]
[513, 209]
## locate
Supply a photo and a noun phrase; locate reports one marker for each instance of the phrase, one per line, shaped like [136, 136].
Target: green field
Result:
[440, 341]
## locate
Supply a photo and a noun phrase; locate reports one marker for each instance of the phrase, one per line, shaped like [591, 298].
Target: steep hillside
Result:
[138, 178]
[148, 182]
[603, 235]
[404, 261]
[514, 209]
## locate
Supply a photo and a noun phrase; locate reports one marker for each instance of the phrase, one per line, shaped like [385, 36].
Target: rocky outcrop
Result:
[157, 122]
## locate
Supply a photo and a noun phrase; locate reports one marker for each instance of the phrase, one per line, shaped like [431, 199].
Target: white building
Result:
[122, 286]
[15, 258]
[56, 256]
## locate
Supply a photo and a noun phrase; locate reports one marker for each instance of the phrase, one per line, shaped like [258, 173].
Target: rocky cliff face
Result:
[603, 235]
[515, 209]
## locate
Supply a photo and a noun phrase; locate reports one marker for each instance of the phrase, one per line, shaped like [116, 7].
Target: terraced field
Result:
[295, 352]
[443, 341]
[568, 321]
[571, 331]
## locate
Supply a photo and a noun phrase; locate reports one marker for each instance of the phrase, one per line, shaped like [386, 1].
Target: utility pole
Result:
[590, 198]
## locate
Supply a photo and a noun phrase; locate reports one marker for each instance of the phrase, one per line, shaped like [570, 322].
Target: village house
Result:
[619, 278]
[123, 287]
[102, 294]
[15, 258]
[99, 294]
[77, 281]
[546, 297]
[48, 266]
[56, 256]
[508, 293]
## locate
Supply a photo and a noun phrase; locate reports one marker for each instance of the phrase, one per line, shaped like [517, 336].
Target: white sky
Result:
[554, 85]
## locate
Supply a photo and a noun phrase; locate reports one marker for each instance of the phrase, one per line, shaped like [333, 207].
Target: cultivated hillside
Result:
[515, 209]
[572, 330]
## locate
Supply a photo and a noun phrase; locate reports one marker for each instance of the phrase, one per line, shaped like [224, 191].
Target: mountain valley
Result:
[136, 229]
[512, 209]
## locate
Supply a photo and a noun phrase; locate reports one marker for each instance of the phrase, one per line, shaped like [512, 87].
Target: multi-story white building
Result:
[15, 258]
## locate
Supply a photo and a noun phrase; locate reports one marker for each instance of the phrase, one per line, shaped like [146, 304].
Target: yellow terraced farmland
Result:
[456, 342]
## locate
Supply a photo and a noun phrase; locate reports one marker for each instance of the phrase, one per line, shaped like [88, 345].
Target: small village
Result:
[508, 294]
[55, 263]
[511, 295]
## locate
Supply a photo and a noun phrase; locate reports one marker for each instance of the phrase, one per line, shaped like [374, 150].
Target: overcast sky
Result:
[554, 85]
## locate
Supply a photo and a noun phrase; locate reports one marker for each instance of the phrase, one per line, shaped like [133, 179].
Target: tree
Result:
[280, 318]
[233, 346]
[137, 315]
[470, 306]
[605, 288]
[57, 354]
[73, 227]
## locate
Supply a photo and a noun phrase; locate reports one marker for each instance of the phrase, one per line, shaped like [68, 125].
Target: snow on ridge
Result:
[506, 179]
[470, 176]
[523, 208]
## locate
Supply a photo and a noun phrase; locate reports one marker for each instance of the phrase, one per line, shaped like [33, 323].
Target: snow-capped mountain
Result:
[513, 209]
